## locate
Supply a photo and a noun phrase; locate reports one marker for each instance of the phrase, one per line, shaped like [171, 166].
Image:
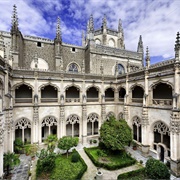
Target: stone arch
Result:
[22, 83]
[90, 86]
[97, 41]
[92, 94]
[161, 143]
[48, 84]
[161, 81]
[72, 125]
[76, 66]
[92, 124]
[22, 128]
[109, 114]
[72, 94]
[120, 116]
[49, 126]
[136, 84]
[111, 42]
[70, 85]
[137, 132]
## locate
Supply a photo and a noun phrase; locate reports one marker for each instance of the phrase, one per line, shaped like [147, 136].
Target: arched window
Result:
[92, 94]
[109, 94]
[72, 125]
[110, 114]
[73, 67]
[97, 41]
[137, 129]
[120, 69]
[92, 124]
[49, 94]
[23, 94]
[23, 130]
[111, 43]
[137, 94]
[162, 136]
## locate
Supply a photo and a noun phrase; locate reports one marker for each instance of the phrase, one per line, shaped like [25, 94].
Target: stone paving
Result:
[21, 172]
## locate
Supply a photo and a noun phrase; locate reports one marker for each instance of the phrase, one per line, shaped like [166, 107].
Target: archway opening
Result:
[122, 93]
[23, 94]
[109, 95]
[72, 94]
[92, 94]
[49, 94]
[137, 94]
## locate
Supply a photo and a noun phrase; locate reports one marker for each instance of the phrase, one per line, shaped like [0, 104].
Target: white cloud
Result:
[156, 20]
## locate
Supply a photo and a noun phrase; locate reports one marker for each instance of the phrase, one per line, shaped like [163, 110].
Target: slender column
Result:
[84, 124]
[1, 144]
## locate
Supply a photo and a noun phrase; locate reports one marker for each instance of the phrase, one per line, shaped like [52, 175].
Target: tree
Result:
[51, 142]
[115, 135]
[10, 160]
[67, 142]
[155, 169]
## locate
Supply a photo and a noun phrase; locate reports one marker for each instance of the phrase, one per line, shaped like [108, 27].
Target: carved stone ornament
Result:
[1, 136]
[72, 119]
[49, 121]
[23, 123]
[92, 117]
[161, 128]
[175, 127]
[136, 121]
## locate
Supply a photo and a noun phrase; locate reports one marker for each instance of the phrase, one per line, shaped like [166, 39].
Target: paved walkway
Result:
[21, 172]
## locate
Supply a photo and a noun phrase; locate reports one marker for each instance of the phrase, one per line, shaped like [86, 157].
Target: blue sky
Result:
[156, 20]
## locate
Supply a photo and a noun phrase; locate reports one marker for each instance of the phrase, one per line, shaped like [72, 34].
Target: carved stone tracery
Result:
[72, 119]
[161, 128]
[23, 123]
[49, 121]
[136, 121]
[92, 117]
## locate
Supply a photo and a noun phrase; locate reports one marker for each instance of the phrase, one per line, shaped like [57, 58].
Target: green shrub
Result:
[75, 157]
[141, 161]
[110, 166]
[46, 162]
[94, 141]
[101, 153]
[130, 174]
[156, 169]
[18, 146]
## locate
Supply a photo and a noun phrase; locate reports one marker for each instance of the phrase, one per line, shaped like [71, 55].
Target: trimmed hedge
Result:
[83, 170]
[131, 174]
[109, 166]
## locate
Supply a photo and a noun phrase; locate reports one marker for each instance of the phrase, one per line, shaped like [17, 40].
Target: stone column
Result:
[84, 124]
[62, 122]
[175, 139]
[34, 128]
[145, 119]
[126, 102]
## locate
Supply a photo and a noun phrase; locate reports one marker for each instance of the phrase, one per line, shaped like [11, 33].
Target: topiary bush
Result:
[155, 169]
[75, 157]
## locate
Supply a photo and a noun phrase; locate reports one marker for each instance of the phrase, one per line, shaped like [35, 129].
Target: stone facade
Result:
[49, 87]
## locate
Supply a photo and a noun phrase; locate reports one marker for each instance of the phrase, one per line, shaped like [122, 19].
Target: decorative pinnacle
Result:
[14, 18]
[1, 39]
[147, 57]
[178, 39]
[91, 24]
[58, 30]
[104, 22]
[140, 44]
[120, 26]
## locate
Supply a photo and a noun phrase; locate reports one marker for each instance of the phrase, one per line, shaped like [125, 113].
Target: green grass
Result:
[65, 169]
[111, 160]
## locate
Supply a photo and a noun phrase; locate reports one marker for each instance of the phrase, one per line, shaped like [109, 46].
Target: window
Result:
[73, 68]
[73, 49]
[120, 69]
[39, 44]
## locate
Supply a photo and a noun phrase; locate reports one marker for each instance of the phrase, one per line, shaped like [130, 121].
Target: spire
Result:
[14, 19]
[140, 45]
[177, 47]
[120, 29]
[147, 57]
[104, 22]
[88, 29]
[1, 40]
[91, 24]
[58, 30]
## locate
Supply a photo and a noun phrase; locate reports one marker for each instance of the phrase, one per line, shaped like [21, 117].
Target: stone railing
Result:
[23, 100]
[137, 100]
[121, 99]
[162, 102]
[69, 100]
[109, 99]
[92, 99]
[49, 100]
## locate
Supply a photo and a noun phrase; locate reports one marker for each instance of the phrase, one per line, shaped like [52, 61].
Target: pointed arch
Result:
[92, 124]
[72, 125]
[136, 84]
[22, 128]
[48, 84]
[110, 114]
[22, 83]
[154, 84]
[73, 67]
[137, 132]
